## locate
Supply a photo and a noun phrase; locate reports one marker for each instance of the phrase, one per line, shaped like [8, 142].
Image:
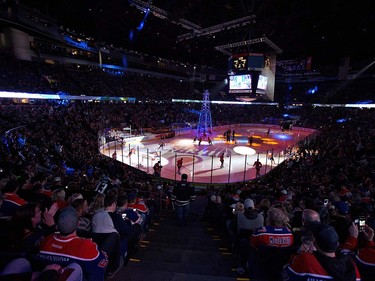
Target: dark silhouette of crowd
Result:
[75, 80]
[56, 186]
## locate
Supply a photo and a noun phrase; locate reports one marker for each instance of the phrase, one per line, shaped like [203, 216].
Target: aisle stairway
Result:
[170, 252]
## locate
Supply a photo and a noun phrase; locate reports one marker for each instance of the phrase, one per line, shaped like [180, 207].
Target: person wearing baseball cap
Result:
[325, 263]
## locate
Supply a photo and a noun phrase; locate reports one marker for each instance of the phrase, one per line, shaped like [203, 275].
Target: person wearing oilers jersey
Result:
[66, 247]
[11, 199]
[276, 233]
[325, 263]
[361, 242]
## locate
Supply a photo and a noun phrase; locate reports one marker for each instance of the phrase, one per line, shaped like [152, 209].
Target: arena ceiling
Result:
[324, 30]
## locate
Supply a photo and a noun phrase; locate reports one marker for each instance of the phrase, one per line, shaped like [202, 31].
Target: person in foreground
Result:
[66, 247]
[182, 195]
[325, 262]
[361, 244]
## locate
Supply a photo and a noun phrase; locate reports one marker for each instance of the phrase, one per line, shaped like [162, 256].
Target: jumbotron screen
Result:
[242, 84]
[260, 68]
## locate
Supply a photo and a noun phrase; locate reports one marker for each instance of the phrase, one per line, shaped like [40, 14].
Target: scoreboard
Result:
[246, 62]
[240, 63]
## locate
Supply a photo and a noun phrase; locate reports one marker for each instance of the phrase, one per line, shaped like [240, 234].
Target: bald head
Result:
[310, 216]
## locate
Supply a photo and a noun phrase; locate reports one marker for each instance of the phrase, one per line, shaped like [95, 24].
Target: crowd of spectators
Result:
[53, 178]
[331, 175]
[42, 175]
[47, 166]
[76, 80]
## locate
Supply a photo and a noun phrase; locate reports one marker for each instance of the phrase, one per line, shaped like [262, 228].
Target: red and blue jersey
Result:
[140, 207]
[306, 267]
[11, 203]
[132, 215]
[274, 236]
[365, 260]
[364, 257]
[64, 250]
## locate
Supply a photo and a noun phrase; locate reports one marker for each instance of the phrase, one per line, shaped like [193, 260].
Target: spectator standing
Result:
[182, 195]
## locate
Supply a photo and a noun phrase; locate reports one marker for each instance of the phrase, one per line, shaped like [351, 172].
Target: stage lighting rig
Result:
[224, 48]
[218, 28]
[160, 13]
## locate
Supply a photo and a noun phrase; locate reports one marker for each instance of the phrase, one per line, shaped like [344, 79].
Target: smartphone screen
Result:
[361, 223]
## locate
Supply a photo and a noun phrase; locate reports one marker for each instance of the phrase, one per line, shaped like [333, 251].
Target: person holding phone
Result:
[361, 243]
[326, 261]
